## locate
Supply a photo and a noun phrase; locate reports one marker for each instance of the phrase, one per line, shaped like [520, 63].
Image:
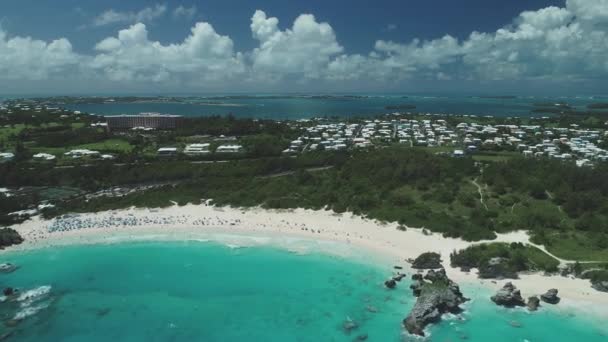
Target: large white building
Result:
[229, 149]
[197, 149]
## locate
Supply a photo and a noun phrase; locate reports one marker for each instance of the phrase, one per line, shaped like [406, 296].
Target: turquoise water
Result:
[196, 291]
[297, 108]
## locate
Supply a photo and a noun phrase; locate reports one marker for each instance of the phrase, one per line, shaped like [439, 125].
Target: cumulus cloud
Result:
[24, 58]
[589, 10]
[147, 14]
[184, 12]
[304, 50]
[553, 43]
[131, 56]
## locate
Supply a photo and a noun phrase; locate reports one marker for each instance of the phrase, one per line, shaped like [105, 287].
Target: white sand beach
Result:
[296, 230]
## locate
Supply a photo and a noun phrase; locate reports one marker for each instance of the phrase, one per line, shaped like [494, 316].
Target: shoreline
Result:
[298, 231]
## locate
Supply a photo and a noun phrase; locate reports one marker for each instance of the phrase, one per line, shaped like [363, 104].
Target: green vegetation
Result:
[598, 106]
[564, 207]
[427, 260]
[9, 237]
[504, 260]
[570, 204]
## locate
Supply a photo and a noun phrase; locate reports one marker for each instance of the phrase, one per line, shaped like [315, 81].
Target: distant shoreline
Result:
[345, 235]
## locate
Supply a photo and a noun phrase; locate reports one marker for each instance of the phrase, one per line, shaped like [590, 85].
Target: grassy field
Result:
[5, 132]
[110, 145]
[576, 246]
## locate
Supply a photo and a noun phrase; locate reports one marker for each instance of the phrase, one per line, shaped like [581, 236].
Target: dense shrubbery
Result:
[427, 260]
[61, 138]
[579, 190]
[9, 237]
[503, 260]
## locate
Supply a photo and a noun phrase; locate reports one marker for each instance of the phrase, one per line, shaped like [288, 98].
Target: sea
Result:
[206, 291]
[281, 107]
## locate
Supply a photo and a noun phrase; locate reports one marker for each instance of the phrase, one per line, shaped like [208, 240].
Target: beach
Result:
[296, 230]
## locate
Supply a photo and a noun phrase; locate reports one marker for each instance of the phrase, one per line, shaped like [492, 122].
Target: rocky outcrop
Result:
[349, 325]
[429, 260]
[9, 237]
[362, 337]
[436, 296]
[509, 296]
[391, 283]
[496, 268]
[550, 297]
[8, 291]
[7, 268]
[416, 285]
[533, 303]
[601, 286]
[399, 276]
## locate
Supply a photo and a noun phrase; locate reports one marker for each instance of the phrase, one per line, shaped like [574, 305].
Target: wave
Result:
[27, 298]
[30, 311]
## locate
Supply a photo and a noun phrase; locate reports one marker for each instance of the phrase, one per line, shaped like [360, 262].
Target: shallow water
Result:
[202, 291]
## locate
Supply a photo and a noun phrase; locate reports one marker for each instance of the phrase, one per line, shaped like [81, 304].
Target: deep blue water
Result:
[297, 108]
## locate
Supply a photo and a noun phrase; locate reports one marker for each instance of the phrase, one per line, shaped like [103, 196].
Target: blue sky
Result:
[356, 45]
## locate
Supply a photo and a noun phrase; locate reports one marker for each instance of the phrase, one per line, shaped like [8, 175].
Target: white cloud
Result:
[304, 50]
[147, 14]
[552, 43]
[589, 10]
[31, 59]
[203, 56]
[556, 43]
[184, 12]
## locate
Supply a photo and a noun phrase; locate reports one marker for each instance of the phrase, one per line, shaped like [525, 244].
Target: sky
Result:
[217, 46]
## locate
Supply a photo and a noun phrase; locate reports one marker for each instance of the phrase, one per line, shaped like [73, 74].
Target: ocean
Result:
[203, 291]
[283, 108]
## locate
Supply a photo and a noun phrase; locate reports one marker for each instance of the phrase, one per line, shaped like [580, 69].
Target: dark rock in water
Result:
[399, 276]
[550, 297]
[7, 268]
[398, 267]
[349, 325]
[601, 286]
[417, 276]
[533, 303]
[11, 322]
[362, 337]
[391, 283]
[103, 312]
[6, 335]
[509, 296]
[438, 296]
[8, 291]
[515, 324]
[496, 268]
[429, 260]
